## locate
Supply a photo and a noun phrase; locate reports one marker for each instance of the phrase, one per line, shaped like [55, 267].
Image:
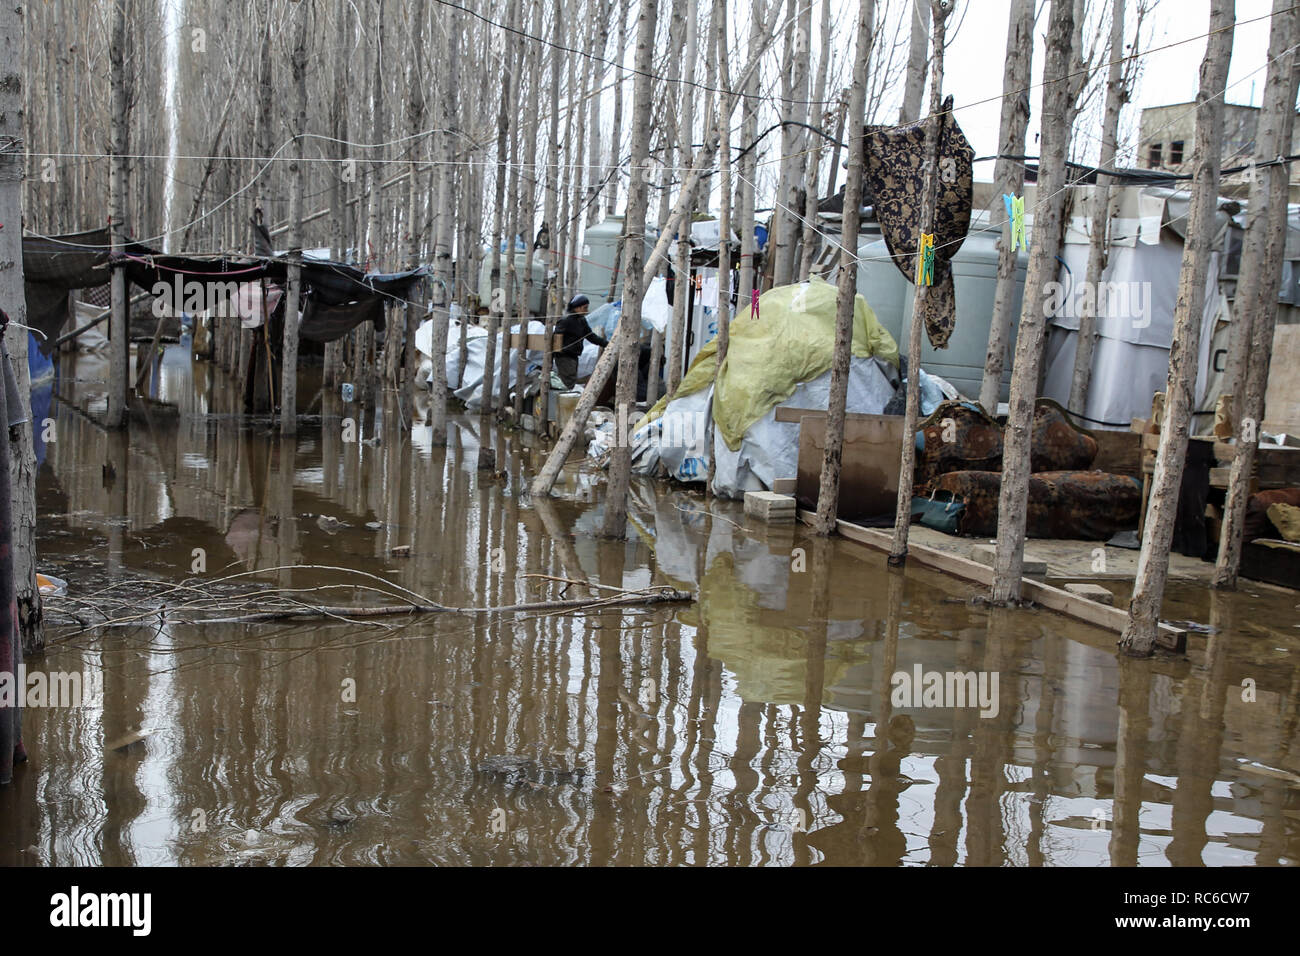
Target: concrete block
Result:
[770, 507]
[1093, 592]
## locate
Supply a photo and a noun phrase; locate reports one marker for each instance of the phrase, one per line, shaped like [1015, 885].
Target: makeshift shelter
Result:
[780, 357]
[1135, 302]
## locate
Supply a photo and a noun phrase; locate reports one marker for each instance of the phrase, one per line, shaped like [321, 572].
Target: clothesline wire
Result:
[658, 166]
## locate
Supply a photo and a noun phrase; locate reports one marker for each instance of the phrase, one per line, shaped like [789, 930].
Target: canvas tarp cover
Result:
[791, 342]
[325, 323]
[52, 267]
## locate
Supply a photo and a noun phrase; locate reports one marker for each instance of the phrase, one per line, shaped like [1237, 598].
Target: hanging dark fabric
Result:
[895, 179]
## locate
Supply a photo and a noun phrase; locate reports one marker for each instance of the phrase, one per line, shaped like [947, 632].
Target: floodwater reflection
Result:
[754, 727]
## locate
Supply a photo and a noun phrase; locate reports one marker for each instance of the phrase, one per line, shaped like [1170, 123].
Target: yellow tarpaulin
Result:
[792, 342]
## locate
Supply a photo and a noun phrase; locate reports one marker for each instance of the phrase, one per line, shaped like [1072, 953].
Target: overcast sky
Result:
[973, 64]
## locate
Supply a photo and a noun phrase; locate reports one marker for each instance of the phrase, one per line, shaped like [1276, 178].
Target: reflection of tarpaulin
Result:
[895, 178]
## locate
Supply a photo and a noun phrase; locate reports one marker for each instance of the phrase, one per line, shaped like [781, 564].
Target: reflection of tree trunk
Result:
[985, 839]
[1130, 760]
[951, 768]
[1200, 746]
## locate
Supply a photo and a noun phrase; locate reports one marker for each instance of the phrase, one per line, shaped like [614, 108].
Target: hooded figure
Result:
[573, 330]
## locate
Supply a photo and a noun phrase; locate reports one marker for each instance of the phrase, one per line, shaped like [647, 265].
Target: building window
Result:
[1175, 152]
[1153, 157]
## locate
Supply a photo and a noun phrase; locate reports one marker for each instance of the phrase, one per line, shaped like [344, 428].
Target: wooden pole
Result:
[828, 492]
[917, 58]
[903, 513]
[724, 219]
[550, 207]
[1009, 177]
[1138, 638]
[297, 171]
[1098, 241]
[1048, 211]
[22, 457]
[682, 263]
[1251, 345]
[119, 356]
[634, 282]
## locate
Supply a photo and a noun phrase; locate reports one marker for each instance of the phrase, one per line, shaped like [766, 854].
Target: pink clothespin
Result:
[753, 305]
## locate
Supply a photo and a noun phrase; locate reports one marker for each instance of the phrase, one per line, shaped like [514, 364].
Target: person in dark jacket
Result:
[574, 330]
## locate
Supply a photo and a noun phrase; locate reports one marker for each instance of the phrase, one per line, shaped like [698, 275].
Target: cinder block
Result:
[1093, 592]
[769, 506]
[985, 554]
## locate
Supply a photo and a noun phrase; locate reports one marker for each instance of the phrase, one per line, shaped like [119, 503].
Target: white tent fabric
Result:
[1135, 303]
[469, 389]
[672, 444]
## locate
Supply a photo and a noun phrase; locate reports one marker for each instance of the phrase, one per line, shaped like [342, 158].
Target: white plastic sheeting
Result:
[675, 445]
[1135, 303]
[469, 388]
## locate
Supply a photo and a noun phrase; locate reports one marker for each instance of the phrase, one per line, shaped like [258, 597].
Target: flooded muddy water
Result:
[759, 725]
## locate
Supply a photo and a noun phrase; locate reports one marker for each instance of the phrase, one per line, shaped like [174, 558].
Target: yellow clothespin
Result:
[925, 260]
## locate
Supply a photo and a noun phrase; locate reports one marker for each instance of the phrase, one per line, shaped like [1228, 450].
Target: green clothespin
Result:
[1016, 214]
[925, 260]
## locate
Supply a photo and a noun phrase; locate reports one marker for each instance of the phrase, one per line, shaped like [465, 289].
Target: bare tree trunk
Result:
[686, 151]
[720, 50]
[1014, 495]
[446, 226]
[366, 333]
[912, 409]
[30, 620]
[811, 175]
[289, 367]
[793, 137]
[591, 86]
[917, 56]
[496, 302]
[1009, 179]
[118, 193]
[616, 137]
[1098, 242]
[528, 208]
[1251, 345]
[633, 281]
[400, 355]
[749, 162]
[338, 187]
[553, 187]
[1139, 634]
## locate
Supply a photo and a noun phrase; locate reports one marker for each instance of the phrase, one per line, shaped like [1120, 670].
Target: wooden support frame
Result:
[1074, 606]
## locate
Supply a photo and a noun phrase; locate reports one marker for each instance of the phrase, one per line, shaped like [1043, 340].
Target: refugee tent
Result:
[780, 357]
[1134, 302]
[469, 388]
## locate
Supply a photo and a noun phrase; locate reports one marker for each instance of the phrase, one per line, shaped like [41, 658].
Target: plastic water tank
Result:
[975, 276]
[487, 281]
[597, 255]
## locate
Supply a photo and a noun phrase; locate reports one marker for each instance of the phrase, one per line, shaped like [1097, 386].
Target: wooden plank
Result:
[1056, 599]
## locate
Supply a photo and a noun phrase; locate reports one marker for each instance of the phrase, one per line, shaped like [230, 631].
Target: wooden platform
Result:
[1080, 608]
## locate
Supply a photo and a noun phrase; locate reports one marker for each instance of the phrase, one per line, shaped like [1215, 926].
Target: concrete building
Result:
[1167, 136]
